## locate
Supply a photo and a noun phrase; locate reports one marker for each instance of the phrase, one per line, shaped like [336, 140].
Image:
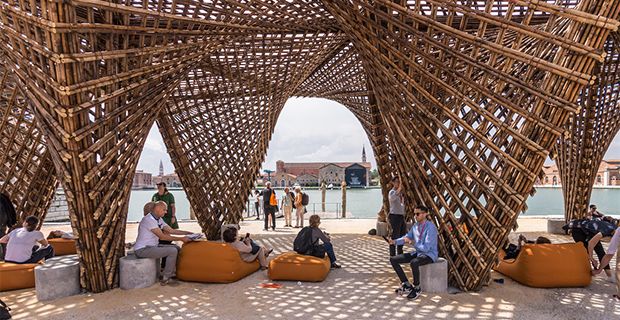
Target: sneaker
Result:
[404, 289]
[414, 294]
[335, 265]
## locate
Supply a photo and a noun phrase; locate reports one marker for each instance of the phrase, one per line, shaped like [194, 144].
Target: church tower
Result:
[161, 168]
[363, 154]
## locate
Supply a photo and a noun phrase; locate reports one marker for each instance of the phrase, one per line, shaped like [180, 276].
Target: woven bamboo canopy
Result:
[463, 99]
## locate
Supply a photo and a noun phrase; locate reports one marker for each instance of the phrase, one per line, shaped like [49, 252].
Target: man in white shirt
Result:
[151, 229]
[612, 249]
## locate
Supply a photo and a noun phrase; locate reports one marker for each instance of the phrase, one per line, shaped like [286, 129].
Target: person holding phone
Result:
[396, 218]
[248, 249]
[423, 235]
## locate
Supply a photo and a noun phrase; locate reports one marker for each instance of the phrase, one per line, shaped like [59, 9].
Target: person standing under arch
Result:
[396, 217]
[269, 208]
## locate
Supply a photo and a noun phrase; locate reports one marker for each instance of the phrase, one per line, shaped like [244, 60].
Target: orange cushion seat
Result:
[214, 262]
[63, 247]
[548, 265]
[297, 267]
[16, 276]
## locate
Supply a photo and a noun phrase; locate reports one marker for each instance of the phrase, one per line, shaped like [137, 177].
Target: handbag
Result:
[272, 200]
[318, 251]
[4, 311]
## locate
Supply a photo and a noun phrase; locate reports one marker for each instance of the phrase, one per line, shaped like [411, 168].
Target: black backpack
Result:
[303, 242]
[305, 199]
[293, 199]
[4, 311]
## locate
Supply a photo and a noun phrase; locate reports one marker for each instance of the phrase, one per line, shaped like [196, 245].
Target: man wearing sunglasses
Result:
[423, 235]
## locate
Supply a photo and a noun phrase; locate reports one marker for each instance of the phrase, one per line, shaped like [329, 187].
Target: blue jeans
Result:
[329, 248]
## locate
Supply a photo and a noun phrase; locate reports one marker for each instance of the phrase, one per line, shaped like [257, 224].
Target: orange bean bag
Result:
[548, 266]
[293, 266]
[63, 247]
[215, 262]
[16, 276]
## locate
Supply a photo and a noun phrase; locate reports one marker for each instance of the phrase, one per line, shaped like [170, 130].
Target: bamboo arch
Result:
[462, 99]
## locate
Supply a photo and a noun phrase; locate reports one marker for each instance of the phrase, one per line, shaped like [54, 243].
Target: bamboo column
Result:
[343, 186]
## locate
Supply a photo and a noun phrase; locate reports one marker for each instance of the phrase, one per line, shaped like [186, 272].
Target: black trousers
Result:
[414, 261]
[399, 229]
[256, 205]
[580, 236]
[270, 211]
[38, 253]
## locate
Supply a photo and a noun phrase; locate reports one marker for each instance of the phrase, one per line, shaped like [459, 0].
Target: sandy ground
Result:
[362, 289]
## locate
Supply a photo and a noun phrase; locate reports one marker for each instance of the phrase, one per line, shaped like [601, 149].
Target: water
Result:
[365, 203]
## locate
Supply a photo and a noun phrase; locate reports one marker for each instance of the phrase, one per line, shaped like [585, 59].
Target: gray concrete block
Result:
[137, 272]
[434, 277]
[382, 229]
[58, 277]
[554, 226]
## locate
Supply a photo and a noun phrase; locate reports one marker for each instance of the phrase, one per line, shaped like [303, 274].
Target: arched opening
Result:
[315, 140]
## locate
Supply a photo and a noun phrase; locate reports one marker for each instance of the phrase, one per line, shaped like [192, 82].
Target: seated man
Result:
[423, 235]
[151, 229]
[512, 251]
[27, 244]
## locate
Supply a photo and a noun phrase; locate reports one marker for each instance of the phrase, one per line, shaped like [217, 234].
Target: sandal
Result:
[616, 296]
[268, 252]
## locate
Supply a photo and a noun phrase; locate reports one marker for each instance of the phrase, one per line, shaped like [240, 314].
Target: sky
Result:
[308, 130]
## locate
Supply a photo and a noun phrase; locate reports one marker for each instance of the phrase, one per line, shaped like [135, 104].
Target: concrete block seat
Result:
[434, 276]
[135, 273]
[15, 276]
[382, 228]
[548, 265]
[58, 277]
[212, 262]
[63, 247]
[296, 267]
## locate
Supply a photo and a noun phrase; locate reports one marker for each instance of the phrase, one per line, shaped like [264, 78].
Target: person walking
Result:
[396, 218]
[423, 235]
[299, 208]
[287, 206]
[269, 207]
[256, 197]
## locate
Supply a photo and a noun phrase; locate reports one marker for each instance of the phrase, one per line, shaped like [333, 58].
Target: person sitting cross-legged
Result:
[151, 229]
[423, 235]
[23, 243]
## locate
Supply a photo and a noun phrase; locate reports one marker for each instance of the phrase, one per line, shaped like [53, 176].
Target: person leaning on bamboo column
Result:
[396, 218]
[299, 207]
[287, 206]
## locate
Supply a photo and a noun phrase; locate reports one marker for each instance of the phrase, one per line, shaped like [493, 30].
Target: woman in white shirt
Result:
[23, 243]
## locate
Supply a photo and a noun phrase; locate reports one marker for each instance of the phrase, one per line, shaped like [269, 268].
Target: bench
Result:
[135, 273]
[296, 267]
[434, 276]
[58, 277]
[554, 226]
[63, 247]
[16, 276]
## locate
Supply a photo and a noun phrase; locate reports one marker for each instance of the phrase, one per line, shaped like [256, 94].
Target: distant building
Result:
[608, 174]
[171, 180]
[356, 174]
[142, 180]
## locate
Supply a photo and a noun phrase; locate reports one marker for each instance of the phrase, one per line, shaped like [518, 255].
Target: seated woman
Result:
[317, 234]
[59, 234]
[513, 251]
[248, 249]
[22, 243]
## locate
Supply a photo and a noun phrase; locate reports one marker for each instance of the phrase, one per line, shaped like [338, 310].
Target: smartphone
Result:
[247, 235]
[386, 239]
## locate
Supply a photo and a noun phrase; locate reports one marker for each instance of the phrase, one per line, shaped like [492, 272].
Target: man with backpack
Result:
[269, 205]
[307, 242]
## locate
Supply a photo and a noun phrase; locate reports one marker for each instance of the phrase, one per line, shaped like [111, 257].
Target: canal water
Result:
[365, 203]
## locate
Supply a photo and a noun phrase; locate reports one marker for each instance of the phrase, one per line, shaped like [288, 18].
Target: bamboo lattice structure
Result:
[462, 99]
[26, 168]
[589, 133]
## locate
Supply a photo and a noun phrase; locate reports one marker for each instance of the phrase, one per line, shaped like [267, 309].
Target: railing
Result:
[312, 208]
